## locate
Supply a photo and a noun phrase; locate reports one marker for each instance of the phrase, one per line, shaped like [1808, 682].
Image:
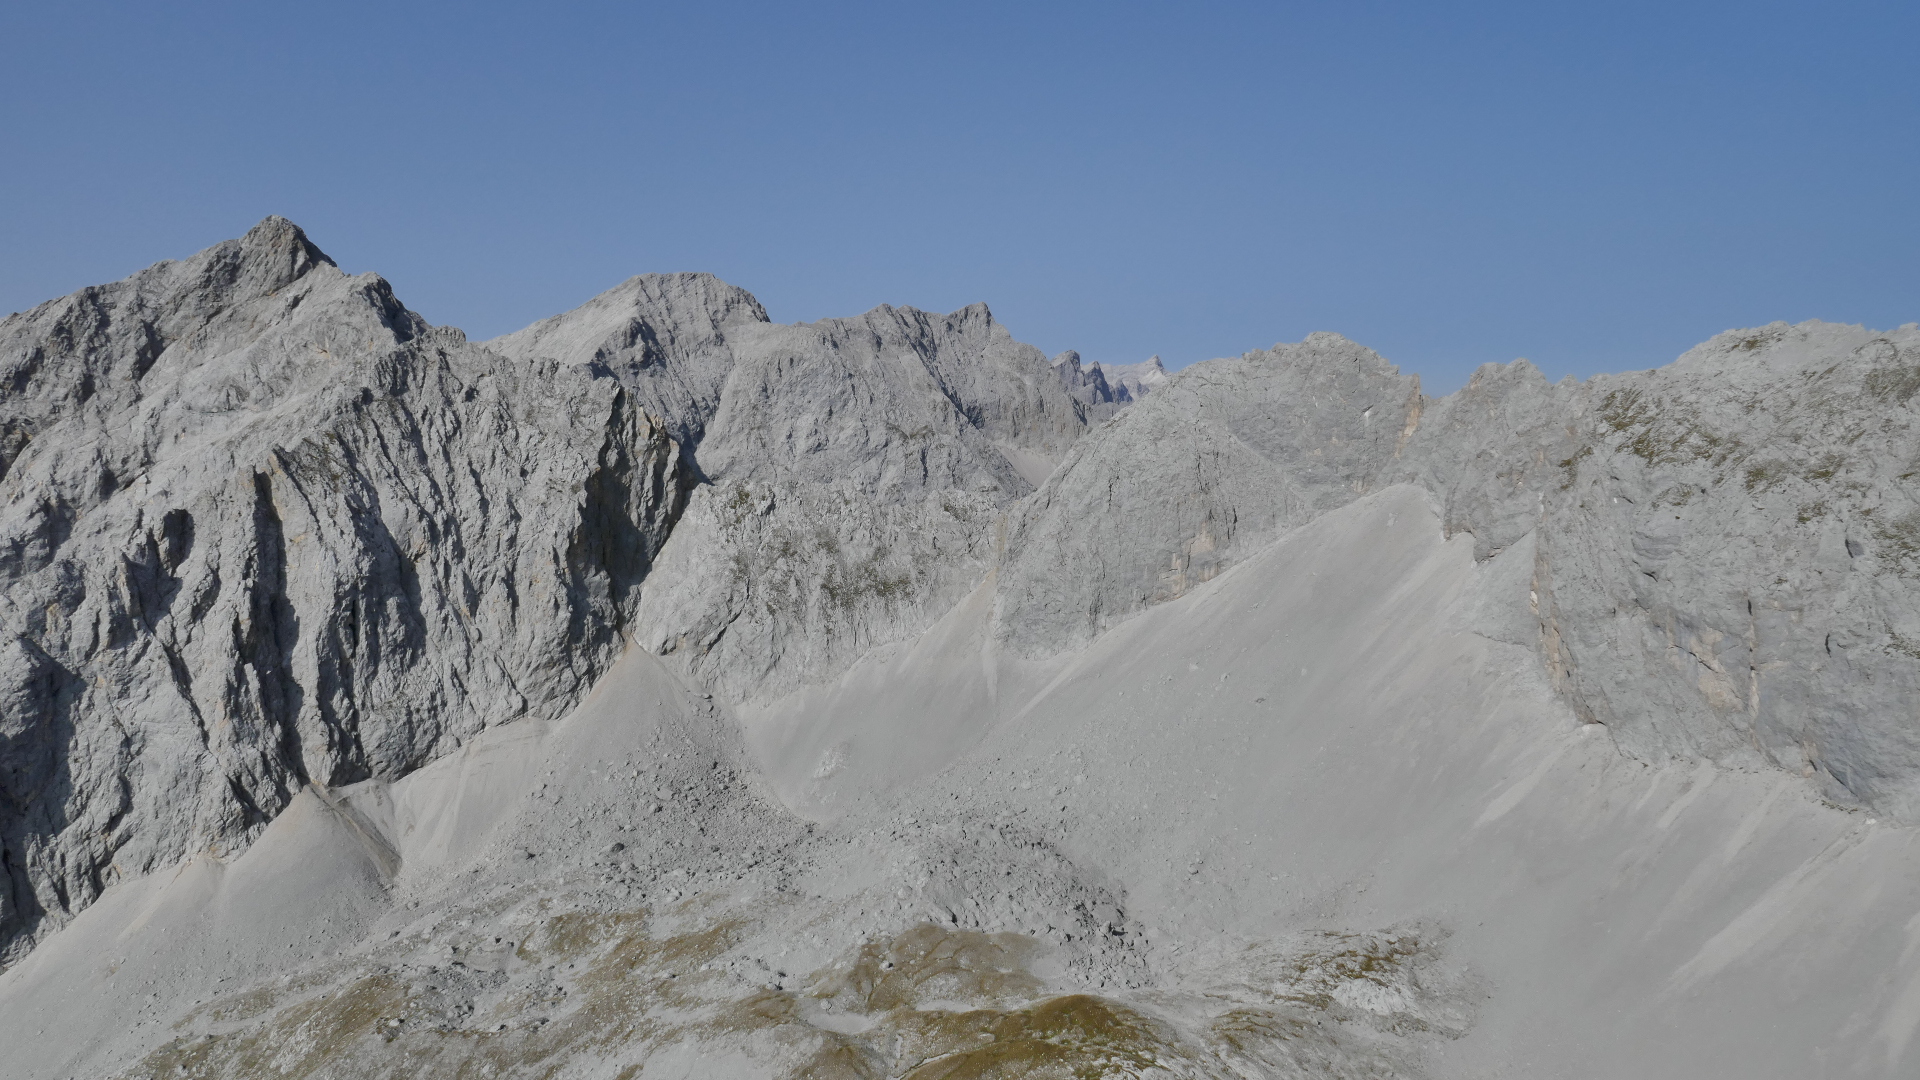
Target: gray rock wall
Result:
[667, 337]
[1210, 467]
[857, 473]
[1725, 548]
[1727, 561]
[1088, 386]
[260, 526]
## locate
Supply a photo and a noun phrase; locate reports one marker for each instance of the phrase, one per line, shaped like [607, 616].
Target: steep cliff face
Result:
[1723, 550]
[262, 525]
[1253, 710]
[1088, 386]
[1727, 563]
[857, 470]
[1131, 382]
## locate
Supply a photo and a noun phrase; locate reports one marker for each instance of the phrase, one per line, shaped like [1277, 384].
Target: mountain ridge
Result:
[276, 553]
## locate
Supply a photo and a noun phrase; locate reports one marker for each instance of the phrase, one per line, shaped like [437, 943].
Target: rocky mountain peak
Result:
[276, 252]
[659, 684]
[268, 527]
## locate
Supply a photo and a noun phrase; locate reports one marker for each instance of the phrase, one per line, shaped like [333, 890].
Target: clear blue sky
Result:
[1595, 187]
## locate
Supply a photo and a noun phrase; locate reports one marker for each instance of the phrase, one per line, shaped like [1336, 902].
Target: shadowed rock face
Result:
[669, 338]
[261, 525]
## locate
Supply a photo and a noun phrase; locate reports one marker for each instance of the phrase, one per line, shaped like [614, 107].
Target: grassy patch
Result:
[1661, 432]
[1570, 467]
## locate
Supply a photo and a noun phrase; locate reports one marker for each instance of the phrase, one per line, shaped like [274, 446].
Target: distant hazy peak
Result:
[1137, 380]
[1098, 398]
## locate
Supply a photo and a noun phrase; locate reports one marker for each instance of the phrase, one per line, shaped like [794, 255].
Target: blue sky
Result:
[1595, 187]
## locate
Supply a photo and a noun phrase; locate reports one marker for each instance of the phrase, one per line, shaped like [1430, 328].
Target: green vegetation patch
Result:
[1662, 432]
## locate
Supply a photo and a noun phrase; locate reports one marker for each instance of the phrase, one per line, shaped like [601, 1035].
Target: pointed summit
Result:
[274, 254]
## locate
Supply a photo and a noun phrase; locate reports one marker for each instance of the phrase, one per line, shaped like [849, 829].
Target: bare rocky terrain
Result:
[660, 690]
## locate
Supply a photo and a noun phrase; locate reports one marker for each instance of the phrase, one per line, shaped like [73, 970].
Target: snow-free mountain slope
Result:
[1135, 381]
[1348, 736]
[1211, 466]
[667, 337]
[1351, 834]
[664, 691]
[1725, 561]
[1724, 565]
[1088, 386]
[858, 467]
[266, 526]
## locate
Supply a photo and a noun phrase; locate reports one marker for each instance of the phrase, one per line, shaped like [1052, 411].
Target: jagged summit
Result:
[1136, 380]
[275, 235]
[885, 444]
[263, 526]
[1105, 389]
[659, 688]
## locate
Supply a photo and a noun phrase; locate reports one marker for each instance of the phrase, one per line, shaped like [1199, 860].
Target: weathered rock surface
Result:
[666, 337]
[1104, 389]
[261, 525]
[857, 469]
[1204, 471]
[897, 782]
[1726, 558]
[1725, 546]
[1088, 386]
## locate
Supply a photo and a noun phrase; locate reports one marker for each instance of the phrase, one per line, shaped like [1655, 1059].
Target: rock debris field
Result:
[661, 691]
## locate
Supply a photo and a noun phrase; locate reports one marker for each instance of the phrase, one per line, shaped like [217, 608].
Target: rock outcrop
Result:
[1088, 386]
[1104, 389]
[1254, 728]
[260, 526]
[856, 469]
[1725, 547]
[1183, 484]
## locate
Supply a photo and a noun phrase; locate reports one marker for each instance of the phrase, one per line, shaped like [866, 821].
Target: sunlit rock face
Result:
[660, 689]
[263, 526]
[856, 469]
[1724, 548]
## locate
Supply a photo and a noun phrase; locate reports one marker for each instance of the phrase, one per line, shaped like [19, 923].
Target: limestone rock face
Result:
[1211, 467]
[1725, 548]
[1089, 387]
[667, 337]
[856, 472]
[261, 525]
[1104, 389]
